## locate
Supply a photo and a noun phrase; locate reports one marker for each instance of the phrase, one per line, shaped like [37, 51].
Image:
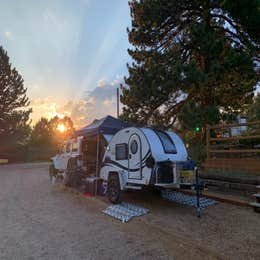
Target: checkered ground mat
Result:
[187, 199]
[125, 211]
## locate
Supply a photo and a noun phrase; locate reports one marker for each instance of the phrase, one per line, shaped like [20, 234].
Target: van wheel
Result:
[52, 171]
[113, 189]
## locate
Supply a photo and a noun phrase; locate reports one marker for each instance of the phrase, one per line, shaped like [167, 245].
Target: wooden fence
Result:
[233, 146]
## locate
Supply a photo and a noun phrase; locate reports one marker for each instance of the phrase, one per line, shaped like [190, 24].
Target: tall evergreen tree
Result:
[13, 102]
[204, 51]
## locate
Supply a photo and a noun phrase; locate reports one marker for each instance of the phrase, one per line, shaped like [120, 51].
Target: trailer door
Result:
[134, 157]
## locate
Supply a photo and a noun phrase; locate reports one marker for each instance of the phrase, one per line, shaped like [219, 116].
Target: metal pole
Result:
[117, 102]
[197, 191]
[208, 141]
[97, 164]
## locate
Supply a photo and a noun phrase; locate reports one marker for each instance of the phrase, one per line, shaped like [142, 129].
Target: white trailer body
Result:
[145, 156]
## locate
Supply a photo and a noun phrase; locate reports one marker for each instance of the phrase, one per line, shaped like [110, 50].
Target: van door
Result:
[134, 157]
[61, 159]
[67, 155]
[64, 157]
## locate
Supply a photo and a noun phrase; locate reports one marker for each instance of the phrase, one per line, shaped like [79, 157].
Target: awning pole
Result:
[117, 102]
[97, 164]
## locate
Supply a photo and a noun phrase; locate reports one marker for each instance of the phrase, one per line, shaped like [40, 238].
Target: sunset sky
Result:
[71, 54]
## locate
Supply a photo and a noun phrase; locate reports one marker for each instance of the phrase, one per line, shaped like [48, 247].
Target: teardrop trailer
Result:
[138, 157]
[124, 157]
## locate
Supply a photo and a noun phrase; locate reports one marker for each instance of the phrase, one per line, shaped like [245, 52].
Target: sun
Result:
[61, 128]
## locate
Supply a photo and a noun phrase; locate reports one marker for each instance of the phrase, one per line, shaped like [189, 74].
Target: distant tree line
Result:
[19, 140]
[45, 138]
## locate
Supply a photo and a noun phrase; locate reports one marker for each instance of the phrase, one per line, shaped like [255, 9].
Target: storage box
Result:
[93, 185]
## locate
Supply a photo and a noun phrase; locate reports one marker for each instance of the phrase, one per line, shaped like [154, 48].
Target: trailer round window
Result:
[134, 147]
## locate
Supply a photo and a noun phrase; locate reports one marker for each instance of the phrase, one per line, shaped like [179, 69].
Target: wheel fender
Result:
[104, 173]
[121, 178]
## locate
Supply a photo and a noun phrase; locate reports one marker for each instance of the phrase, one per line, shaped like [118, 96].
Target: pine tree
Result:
[190, 51]
[13, 102]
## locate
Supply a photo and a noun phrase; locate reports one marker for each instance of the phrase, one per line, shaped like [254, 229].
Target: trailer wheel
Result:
[113, 189]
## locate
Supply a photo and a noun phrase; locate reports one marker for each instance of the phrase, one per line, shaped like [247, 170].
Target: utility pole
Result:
[117, 102]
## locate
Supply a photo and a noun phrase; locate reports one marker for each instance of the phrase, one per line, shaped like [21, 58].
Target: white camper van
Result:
[81, 156]
[137, 157]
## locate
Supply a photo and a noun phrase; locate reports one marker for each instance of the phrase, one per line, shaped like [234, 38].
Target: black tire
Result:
[113, 189]
[52, 171]
[256, 209]
[70, 172]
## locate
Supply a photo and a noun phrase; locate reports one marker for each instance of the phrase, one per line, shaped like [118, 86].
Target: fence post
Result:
[198, 188]
[208, 140]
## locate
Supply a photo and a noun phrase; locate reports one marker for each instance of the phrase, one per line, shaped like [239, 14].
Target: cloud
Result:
[50, 107]
[99, 102]
[59, 53]
[105, 89]
[102, 83]
[76, 111]
[54, 21]
[44, 107]
[8, 34]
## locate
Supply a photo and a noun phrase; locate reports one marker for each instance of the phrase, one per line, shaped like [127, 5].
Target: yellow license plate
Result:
[3, 161]
[187, 173]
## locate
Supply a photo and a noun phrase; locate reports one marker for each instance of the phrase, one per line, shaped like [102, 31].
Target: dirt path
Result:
[39, 221]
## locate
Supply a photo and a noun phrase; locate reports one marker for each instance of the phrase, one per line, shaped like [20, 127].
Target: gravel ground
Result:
[40, 221]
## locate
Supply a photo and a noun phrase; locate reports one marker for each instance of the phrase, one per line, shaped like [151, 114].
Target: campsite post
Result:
[197, 191]
[97, 164]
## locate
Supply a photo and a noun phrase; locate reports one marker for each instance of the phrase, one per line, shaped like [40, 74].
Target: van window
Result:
[134, 147]
[75, 146]
[121, 152]
[168, 145]
[68, 147]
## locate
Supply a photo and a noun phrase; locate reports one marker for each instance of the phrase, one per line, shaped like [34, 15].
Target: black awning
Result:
[107, 125]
